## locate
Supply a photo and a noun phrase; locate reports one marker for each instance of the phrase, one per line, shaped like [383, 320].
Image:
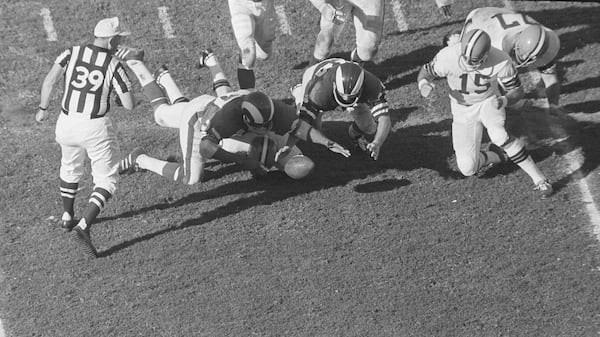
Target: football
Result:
[299, 166]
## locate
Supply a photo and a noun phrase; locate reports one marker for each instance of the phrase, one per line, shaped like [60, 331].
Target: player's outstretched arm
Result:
[384, 124]
[211, 149]
[306, 132]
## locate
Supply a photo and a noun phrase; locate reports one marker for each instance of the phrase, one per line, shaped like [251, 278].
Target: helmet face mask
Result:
[349, 79]
[475, 48]
[530, 43]
[257, 110]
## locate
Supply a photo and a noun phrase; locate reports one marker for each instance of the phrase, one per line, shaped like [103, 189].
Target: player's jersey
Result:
[504, 25]
[470, 87]
[319, 96]
[90, 76]
[223, 117]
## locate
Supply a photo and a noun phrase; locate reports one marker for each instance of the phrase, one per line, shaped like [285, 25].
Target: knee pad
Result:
[467, 165]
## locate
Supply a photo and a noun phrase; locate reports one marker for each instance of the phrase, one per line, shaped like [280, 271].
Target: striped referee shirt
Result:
[90, 76]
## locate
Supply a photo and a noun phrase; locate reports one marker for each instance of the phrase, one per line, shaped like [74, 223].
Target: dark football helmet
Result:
[257, 110]
[348, 85]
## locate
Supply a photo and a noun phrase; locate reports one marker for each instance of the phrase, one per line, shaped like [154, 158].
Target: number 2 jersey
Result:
[90, 76]
[504, 25]
[471, 87]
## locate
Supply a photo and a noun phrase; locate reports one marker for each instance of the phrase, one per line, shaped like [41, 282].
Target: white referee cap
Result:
[109, 28]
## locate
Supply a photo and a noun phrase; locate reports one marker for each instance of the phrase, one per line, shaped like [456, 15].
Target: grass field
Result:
[402, 246]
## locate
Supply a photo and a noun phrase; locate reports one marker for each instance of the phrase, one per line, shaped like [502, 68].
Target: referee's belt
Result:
[80, 115]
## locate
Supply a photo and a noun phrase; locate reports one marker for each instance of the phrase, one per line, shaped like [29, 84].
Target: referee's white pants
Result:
[78, 136]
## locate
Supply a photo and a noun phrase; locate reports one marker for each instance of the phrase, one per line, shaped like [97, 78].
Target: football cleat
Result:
[83, 240]
[128, 164]
[544, 189]
[68, 225]
[162, 70]
[500, 152]
[129, 54]
[205, 54]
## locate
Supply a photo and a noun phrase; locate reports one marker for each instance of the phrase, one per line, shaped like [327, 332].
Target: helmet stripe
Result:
[257, 117]
[472, 42]
[540, 44]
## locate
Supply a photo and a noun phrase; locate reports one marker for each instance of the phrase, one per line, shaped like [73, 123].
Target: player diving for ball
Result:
[334, 83]
[482, 81]
[220, 127]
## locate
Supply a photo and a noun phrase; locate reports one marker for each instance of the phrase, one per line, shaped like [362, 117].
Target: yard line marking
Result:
[398, 10]
[48, 25]
[163, 16]
[284, 25]
[575, 160]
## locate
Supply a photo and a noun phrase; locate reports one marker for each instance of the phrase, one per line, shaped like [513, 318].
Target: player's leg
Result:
[150, 88]
[243, 29]
[494, 121]
[167, 84]
[467, 131]
[221, 85]
[191, 170]
[329, 29]
[368, 23]
[265, 29]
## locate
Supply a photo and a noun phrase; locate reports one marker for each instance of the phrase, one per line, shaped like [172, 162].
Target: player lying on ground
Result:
[206, 121]
[337, 83]
[477, 75]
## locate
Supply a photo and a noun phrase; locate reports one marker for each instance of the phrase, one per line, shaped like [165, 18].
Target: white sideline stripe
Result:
[398, 10]
[284, 25]
[48, 26]
[163, 16]
[2, 334]
[575, 160]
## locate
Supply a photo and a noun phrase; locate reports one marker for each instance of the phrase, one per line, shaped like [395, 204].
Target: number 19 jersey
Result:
[91, 74]
[474, 86]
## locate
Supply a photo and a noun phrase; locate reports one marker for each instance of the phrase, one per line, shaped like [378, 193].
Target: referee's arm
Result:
[51, 78]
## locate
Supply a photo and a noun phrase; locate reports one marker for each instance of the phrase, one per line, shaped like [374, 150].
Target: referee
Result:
[83, 127]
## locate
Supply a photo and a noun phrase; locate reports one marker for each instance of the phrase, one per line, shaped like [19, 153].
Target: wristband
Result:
[43, 109]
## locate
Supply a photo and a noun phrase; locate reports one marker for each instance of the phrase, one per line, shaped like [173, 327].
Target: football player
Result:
[205, 121]
[334, 83]
[367, 17]
[478, 75]
[254, 25]
[530, 45]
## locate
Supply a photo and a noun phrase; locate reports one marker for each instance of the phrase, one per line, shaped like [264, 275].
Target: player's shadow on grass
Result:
[414, 147]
